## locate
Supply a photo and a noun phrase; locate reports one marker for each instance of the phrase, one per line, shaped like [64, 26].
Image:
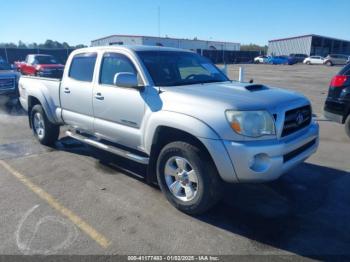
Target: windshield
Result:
[169, 68]
[42, 60]
[4, 66]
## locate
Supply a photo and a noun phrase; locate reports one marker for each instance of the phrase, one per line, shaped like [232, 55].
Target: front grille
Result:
[7, 83]
[298, 151]
[296, 119]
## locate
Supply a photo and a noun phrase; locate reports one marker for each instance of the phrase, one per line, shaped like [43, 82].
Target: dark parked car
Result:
[297, 58]
[331, 60]
[8, 80]
[337, 106]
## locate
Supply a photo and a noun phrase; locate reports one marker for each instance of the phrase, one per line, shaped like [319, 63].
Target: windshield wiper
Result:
[211, 81]
[183, 83]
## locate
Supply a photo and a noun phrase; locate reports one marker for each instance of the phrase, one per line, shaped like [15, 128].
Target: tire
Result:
[329, 63]
[347, 126]
[46, 132]
[180, 159]
[308, 63]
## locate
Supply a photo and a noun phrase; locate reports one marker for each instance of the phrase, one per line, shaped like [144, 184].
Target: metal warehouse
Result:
[194, 44]
[309, 45]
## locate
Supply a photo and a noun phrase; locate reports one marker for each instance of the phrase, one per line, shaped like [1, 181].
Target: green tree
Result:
[8, 45]
[21, 44]
[254, 47]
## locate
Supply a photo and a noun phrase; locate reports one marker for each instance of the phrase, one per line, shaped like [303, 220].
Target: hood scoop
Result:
[254, 88]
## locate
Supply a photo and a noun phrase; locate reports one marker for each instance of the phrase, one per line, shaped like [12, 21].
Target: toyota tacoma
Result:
[176, 112]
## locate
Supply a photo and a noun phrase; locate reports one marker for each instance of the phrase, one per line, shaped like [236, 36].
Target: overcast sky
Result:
[252, 21]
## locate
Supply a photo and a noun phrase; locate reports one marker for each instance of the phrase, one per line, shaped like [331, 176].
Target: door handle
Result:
[99, 96]
[66, 90]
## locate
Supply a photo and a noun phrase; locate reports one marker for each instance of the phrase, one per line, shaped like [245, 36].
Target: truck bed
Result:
[49, 87]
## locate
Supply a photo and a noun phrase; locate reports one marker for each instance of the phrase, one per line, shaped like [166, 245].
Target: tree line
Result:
[254, 47]
[48, 44]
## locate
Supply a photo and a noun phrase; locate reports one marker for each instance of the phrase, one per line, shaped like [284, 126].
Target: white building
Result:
[193, 45]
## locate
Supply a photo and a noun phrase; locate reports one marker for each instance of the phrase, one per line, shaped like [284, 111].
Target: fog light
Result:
[260, 162]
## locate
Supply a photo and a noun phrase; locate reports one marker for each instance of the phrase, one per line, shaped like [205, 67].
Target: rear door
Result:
[319, 60]
[28, 66]
[118, 110]
[76, 92]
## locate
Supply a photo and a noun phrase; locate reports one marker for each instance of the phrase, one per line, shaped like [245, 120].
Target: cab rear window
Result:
[82, 67]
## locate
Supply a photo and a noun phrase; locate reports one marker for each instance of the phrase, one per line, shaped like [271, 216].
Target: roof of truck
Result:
[133, 48]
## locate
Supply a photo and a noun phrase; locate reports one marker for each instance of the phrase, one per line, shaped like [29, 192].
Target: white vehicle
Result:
[314, 60]
[261, 59]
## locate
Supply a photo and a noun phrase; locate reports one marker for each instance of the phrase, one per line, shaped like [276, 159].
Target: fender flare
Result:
[180, 121]
[45, 103]
[205, 134]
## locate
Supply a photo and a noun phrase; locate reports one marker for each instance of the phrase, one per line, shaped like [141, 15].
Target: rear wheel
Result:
[46, 132]
[188, 178]
[347, 126]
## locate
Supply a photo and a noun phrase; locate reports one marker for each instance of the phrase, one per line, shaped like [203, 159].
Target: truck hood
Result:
[227, 95]
[208, 102]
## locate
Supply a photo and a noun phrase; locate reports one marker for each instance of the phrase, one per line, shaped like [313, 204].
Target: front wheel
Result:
[46, 132]
[329, 63]
[188, 178]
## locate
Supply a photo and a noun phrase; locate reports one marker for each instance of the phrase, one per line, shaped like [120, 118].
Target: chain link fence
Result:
[216, 56]
[19, 54]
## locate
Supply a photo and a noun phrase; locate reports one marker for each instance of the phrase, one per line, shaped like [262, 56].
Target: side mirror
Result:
[126, 80]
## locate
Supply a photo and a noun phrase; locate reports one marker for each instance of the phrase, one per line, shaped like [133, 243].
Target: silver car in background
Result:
[334, 59]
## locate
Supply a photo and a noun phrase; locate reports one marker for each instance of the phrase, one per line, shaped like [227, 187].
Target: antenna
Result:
[158, 53]
[159, 21]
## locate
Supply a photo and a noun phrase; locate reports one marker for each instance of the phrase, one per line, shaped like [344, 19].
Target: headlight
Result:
[251, 123]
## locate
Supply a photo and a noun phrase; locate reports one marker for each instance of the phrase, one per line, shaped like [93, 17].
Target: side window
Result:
[113, 63]
[30, 59]
[82, 67]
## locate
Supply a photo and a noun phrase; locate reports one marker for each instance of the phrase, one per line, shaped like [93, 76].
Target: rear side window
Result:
[112, 64]
[82, 67]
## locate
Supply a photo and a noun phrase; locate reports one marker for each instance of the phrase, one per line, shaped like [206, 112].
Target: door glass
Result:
[82, 67]
[113, 63]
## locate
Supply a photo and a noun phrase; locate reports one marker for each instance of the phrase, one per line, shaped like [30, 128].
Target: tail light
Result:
[339, 81]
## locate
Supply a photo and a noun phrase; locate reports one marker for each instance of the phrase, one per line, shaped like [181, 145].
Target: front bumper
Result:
[335, 110]
[259, 161]
[9, 92]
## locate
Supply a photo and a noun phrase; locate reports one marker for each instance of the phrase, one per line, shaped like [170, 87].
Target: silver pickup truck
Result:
[176, 112]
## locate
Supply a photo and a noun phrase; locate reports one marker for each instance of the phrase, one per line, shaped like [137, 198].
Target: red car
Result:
[40, 65]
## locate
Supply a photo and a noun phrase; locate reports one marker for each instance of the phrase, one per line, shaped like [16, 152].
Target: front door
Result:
[118, 111]
[76, 92]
